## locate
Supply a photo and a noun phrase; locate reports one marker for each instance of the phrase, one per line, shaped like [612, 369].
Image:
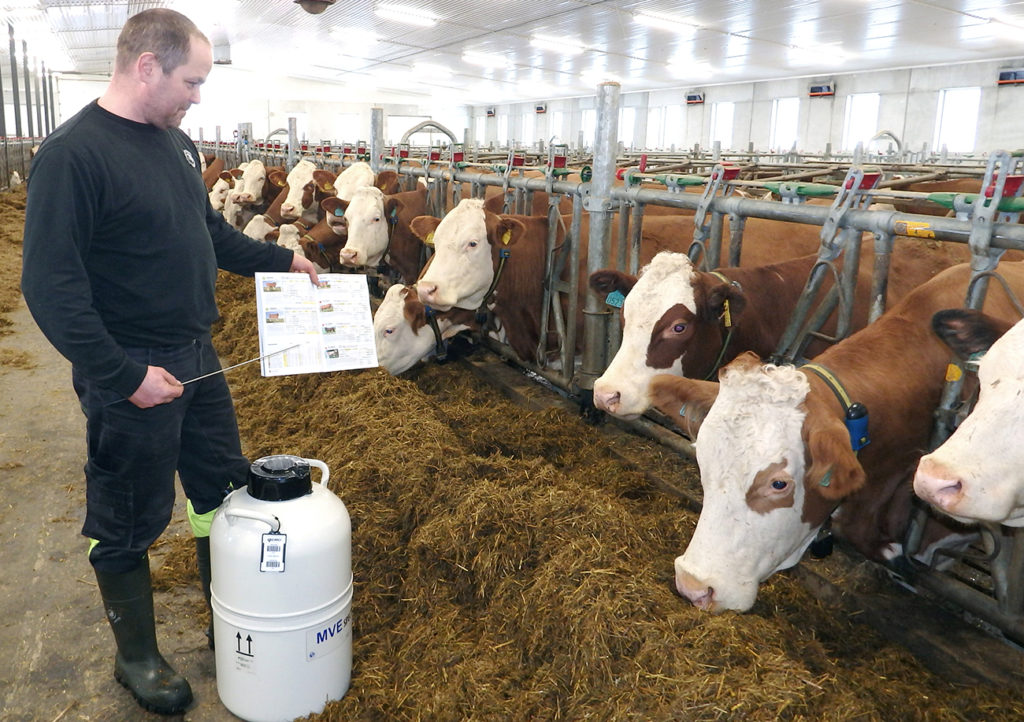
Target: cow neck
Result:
[392, 220]
[329, 264]
[503, 255]
[440, 345]
[727, 327]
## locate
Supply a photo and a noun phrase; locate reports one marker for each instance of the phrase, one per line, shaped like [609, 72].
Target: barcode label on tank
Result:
[272, 559]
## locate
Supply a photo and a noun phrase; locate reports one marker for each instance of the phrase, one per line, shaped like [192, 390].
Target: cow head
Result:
[260, 227]
[334, 211]
[356, 176]
[975, 475]
[249, 188]
[369, 217]
[672, 324]
[466, 251]
[774, 460]
[219, 192]
[300, 191]
[401, 333]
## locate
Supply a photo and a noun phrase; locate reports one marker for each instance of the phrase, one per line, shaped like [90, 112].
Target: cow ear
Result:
[274, 235]
[324, 180]
[834, 470]
[423, 227]
[392, 207]
[278, 177]
[967, 331]
[608, 280]
[726, 301]
[387, 181]
[330, 204]
[685, 401]
[226, 175]
[508, 232]
[236, 173]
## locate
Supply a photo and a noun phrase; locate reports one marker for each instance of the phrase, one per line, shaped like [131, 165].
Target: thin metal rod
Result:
[243, 363]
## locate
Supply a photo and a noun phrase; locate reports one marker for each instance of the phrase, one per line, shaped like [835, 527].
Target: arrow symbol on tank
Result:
[238, 641]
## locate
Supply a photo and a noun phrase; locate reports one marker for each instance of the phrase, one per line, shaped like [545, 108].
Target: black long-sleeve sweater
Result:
[121, 245]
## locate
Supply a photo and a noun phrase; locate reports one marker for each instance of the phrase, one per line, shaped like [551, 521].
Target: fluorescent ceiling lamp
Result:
[564, 46]
[406, 14]
[432, 69]
[486, 60]
[664, 21]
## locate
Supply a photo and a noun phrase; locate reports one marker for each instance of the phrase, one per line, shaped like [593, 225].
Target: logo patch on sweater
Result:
[189, 158]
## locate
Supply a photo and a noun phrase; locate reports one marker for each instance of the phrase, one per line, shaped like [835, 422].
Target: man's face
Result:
[175, 92]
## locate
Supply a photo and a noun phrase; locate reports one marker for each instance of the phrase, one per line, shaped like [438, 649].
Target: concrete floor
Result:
[56, 644]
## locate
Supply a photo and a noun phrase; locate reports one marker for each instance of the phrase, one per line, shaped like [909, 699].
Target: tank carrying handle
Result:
[325, 473]
[269, 519]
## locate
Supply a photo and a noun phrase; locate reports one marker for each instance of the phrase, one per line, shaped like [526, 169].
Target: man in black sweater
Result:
[121, 254]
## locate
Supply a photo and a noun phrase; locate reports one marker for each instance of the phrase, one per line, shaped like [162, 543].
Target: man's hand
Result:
[159, 387]
[301, 264]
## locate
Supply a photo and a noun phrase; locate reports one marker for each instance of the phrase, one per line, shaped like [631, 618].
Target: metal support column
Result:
[598, 203]
[28, 88]
[53, 105]
[44, 125]
[376, 138]
[14, 82]
[40, 100]
[293, 141]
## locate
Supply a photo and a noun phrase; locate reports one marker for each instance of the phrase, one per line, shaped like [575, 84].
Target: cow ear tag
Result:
[726, 314]
[953, 372]
[506, 237]
[615, 299]
[429, 240]
[339, 211]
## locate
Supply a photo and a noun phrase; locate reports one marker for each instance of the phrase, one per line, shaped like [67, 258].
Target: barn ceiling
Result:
[518, 50]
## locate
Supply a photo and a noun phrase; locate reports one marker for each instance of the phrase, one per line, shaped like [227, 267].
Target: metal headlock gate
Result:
[989, 584]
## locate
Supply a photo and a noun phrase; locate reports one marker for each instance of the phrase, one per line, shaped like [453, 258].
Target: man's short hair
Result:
[165, 33]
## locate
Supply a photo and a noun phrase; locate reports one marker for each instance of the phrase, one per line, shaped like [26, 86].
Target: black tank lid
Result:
[279, 478]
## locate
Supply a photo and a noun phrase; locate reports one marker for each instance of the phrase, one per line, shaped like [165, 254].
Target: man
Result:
[120, 262]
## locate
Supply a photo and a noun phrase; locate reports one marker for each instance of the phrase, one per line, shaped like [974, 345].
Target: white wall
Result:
[908, 104]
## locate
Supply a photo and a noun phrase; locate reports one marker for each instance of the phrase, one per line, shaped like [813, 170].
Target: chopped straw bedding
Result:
[509, 567]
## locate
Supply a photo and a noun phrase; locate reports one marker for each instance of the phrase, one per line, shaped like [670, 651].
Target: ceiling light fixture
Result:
[486, 60]
[563, 46]
[314, 7]
[406, 14]
[663, 21]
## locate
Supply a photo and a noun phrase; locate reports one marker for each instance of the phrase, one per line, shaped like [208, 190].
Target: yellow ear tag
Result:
[328, 186]
[953, 373]
[429, 240]
[726, 315]
[506, 237]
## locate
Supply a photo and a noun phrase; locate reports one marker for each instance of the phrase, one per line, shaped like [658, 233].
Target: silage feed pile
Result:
[509, 567]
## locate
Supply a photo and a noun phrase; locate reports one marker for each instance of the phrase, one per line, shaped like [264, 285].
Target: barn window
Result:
[529, 132]
[589, 127]
[784, 126]
[675, 126]
[861, 119]
[721, 124]
[555, 129]
[956, 122]
[627, 126]
[655, 128]
[503, 136]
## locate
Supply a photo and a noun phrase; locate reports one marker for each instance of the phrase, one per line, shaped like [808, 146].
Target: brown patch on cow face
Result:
[670, 337]
[413, 309]
[772, 488]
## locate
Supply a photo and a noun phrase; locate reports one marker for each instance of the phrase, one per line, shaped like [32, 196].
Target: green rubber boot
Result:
[139, 666]
[203, 563]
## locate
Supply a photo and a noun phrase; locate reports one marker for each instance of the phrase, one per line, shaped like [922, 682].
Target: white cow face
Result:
[368, 228]
[664, 285]
[356, 176]
[219, 194]
[978, 473]
[299, 181]
[465, 255]
[249, 188]
[758, 516]
[401, 333]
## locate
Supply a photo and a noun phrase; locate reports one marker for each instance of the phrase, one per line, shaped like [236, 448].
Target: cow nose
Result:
[937, 485]
[427, 292]
[288, 211]
[607, 400]
[700, 594]
[349, 256]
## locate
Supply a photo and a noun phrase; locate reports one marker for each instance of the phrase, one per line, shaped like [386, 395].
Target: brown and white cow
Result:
[679, 320]
[402, 333]
[977, 474]
[379, 229]
[307, 185]
[776, 458]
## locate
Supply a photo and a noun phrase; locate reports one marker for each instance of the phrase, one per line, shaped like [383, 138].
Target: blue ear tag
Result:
[615, 299]
[857, 425]
[339, 211]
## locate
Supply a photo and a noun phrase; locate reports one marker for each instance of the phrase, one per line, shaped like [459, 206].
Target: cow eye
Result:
[388, 331]
[473, 244]
[779, 484]
[679, 328]
[376, 219]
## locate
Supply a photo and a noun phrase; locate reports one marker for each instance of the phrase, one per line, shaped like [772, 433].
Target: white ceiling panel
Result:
[686, 43]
